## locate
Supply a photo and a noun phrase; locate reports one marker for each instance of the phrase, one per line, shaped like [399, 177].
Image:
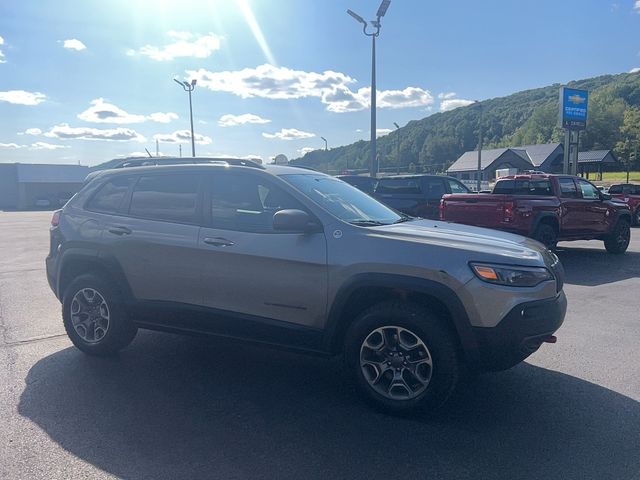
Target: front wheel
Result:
[637, 217]
[618, 240]
[402, 357]
[94, 317]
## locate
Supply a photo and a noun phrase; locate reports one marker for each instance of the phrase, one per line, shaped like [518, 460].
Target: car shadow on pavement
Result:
[595, 266]
[182, 407]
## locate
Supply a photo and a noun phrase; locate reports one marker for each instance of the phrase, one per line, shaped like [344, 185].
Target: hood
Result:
[485, 242]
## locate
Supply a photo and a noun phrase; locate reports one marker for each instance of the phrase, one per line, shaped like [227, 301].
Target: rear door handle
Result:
[120, 230]
[218, 241]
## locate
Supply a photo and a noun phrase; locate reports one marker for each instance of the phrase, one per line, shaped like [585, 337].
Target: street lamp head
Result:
[323, 139]
[397, 126]
[186, 84]
[383, 8]
[357, 17]
[193, 82]
[177, 81]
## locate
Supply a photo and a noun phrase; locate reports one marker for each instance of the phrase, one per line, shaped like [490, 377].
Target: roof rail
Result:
[145, 161]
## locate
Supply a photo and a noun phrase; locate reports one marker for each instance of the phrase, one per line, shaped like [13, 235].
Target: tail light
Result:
[55, 220]
[507, 211]
[441, 209]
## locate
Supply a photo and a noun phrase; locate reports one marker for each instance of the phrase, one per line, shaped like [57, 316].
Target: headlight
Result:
[511, 276]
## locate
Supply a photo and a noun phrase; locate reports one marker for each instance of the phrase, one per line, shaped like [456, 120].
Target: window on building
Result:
[169, 198]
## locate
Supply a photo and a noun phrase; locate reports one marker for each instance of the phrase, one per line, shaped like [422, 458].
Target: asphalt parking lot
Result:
[183, 407]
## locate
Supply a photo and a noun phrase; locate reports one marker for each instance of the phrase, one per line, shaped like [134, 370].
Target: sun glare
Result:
[256, 30]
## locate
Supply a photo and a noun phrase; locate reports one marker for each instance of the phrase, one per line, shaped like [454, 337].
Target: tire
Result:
[546, 235]
[637, 217]
[618, 240]
[94, 317]
[371, 368]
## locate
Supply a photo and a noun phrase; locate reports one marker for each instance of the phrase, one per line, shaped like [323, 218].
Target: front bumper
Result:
[519, 333]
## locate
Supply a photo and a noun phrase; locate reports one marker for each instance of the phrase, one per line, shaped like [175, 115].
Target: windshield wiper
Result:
[367, 223]
[405, 218]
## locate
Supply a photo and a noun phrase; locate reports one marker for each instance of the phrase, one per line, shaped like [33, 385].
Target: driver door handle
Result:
[119, 230]
[218, 242]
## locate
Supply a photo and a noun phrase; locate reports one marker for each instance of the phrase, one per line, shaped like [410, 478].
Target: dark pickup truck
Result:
[548, 208]
[416, 195]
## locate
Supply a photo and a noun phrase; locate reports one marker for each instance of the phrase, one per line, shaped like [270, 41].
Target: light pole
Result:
[325, 143]
[188, 87]
[382, 9]
[479, 172]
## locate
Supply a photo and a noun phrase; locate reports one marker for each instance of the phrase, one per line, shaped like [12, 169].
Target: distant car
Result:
[417, 195]
[366, 184]
[629, 193]
[42, 202]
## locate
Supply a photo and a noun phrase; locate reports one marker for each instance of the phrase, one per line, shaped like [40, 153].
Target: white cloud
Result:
[230, 120]
[382, 131]
[289, 134]
[102, 112]
[184, 44]
[120, 134]
[182, 136]
[452, 103]
[22, 97]
[1, 54]
[635, 70]
[636, 6]
[31, 131]
[46, 146]
[332, 88]
[305, 150]
[74, 44]
[10, 145]
[446, 95]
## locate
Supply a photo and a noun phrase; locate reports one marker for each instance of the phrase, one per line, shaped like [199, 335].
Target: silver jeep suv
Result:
[291, 257]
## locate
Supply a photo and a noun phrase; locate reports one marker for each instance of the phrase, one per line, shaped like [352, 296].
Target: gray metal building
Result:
[28, 185]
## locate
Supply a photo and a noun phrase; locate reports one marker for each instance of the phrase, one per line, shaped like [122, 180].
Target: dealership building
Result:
[27, 185]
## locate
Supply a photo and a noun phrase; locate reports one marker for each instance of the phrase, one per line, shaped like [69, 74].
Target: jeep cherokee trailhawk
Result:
[292, 257]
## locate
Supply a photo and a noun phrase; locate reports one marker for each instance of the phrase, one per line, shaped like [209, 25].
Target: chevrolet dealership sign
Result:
[573, 108]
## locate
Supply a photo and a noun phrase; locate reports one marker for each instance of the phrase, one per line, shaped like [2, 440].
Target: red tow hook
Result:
[550, 339]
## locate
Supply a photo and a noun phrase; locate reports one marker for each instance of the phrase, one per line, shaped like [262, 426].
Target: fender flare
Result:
[442, 292]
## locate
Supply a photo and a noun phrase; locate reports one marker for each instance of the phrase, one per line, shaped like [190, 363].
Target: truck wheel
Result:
[94, 318]
[402, 357]
[618, 240]
[546, 235]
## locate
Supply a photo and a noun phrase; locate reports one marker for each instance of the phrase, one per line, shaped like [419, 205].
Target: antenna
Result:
[157, 148]
[180, 150]
[148, 152]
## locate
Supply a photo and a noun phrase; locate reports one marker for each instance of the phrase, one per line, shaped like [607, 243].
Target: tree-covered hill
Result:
[527, 117]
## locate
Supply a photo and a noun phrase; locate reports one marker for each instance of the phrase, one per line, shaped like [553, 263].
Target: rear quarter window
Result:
[110, 196]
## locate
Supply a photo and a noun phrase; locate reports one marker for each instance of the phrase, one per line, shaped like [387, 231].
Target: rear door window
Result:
[434, 188]
[110, 196]
[399, 186]
[568, 188]
[168, 198]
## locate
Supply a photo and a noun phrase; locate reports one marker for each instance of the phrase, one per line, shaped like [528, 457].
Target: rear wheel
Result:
[547, 235]
[94, 317]
[618, 240]
[402, 357]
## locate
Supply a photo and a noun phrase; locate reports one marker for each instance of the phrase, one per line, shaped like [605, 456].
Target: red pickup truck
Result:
[629, 193]
[546, 207]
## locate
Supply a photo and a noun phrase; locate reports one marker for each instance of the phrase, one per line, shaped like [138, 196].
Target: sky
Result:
[88, 81]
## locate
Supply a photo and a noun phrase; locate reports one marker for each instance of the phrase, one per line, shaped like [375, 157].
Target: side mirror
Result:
[605, 196]
[295, 221]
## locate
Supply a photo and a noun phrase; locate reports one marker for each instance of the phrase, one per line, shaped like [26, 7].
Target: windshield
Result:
[343, 200]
